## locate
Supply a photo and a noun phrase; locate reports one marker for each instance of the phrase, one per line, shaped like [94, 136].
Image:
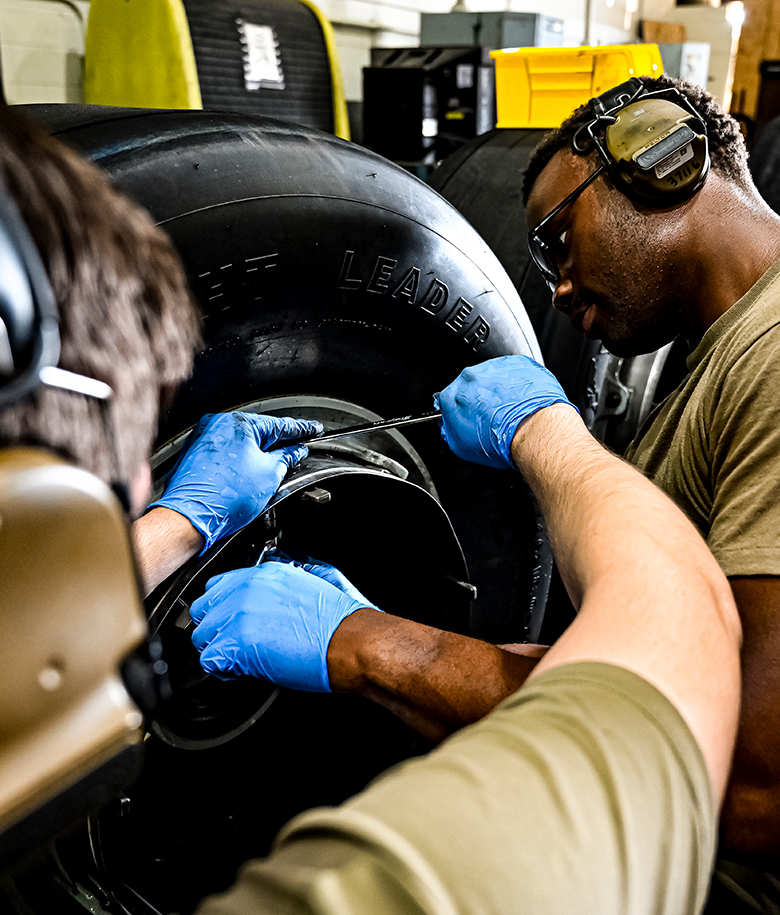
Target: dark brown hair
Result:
[126, 313]
[728, 153]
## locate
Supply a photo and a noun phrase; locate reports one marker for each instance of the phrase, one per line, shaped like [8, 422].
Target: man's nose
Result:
[562, 294]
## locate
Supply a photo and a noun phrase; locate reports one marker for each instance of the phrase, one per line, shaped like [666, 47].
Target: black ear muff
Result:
[29, 329]
[29, 336]
[658, 152]
[654, 144]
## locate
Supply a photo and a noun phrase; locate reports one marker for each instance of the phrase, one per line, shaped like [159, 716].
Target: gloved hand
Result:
[273, 621]
[325, 571]
[483, 407]
[223, 478]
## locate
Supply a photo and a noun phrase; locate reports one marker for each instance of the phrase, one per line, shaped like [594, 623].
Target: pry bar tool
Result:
[377, 426]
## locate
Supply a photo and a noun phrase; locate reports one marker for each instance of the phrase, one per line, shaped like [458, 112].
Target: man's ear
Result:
[140, 490]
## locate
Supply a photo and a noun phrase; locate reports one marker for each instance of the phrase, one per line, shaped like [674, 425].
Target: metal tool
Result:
[377, 426]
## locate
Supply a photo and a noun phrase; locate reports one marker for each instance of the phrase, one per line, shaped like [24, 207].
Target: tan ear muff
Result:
[658, 152]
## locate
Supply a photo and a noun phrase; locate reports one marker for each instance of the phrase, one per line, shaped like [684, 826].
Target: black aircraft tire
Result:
[324, 269]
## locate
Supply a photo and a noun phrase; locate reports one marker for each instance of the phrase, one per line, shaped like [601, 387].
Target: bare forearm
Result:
[435, 681]
[651, 595]
[164, 540]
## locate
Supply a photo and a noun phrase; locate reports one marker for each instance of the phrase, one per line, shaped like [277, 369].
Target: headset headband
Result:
[29, 332]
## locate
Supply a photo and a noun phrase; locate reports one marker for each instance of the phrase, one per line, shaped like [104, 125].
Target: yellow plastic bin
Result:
[540, 87]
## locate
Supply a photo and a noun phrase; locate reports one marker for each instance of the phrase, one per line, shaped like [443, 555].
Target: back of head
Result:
[126, 315]
[727, 150]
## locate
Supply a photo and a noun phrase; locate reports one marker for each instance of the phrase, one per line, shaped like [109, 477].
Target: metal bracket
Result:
[612, 395]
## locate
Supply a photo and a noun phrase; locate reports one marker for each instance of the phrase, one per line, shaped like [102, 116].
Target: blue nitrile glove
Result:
[223, 478]
[483, 407]
[273, 621]
[325, 571]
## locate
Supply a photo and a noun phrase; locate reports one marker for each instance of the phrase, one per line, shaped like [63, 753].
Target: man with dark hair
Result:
[658, 260]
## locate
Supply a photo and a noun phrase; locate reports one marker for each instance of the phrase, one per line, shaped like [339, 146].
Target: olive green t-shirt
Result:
[714, 444]
[714, 447]
[583, 792]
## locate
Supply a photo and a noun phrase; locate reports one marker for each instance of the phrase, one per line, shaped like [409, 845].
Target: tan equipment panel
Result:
[71, 612]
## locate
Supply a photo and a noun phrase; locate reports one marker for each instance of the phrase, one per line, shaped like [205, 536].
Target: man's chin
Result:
[626, 342]
[620, 347]
[627, 348]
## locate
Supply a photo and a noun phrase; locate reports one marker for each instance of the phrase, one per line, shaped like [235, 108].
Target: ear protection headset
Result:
[653, 144]
[29, 334]
[29, 338]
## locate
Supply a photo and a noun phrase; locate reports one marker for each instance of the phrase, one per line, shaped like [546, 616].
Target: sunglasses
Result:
[543, 251]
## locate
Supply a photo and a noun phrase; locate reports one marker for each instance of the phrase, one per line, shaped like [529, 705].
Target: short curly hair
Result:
[728, 153]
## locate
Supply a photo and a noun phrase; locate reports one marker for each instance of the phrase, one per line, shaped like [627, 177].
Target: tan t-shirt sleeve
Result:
[744, 443]
[714, 445]
[584, 792]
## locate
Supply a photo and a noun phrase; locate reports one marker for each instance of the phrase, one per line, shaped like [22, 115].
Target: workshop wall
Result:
[759, 41]
[360, 25]
[42, 49]
[42, 41]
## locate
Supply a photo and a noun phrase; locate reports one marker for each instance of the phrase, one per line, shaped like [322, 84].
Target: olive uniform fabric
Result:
[714, 447]
[714, 444]
[583, 792]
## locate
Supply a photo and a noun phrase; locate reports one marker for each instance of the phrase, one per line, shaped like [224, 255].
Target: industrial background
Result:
[42, 41]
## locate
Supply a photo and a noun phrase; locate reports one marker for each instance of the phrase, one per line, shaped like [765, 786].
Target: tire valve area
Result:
[318, 495]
